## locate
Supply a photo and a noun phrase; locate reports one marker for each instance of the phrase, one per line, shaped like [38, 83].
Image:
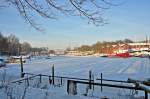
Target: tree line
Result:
[100, 47]
[10, 45]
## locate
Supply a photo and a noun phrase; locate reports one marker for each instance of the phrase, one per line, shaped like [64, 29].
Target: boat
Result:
[16, 59]
[123, 55]
[48, 57]
[104, 55]
[145, 54]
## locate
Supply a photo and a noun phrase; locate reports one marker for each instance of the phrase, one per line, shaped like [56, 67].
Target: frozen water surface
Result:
[112, 68]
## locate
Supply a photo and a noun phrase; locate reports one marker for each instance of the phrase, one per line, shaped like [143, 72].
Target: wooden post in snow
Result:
[72, 87]
[101, 82]
[50, 81]
[93, 81]
[61, 80]
[21, 64]
[27, 81]
[90, 75]
[40, 78]
[53, 74]
[146, 95]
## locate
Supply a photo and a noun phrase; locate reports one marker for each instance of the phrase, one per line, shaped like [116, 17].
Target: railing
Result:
[52, 78]
[89, 82]
[75, 82]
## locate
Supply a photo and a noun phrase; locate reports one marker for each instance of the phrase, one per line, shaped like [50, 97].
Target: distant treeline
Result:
[10, 45]
[99, 47]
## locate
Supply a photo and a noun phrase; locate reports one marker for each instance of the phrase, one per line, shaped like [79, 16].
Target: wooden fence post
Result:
[27, 81]
[71, 87]
[61, 80]
[146, 95]
[93, 81]
[101, 82]
[21, 64]
[50, 81]
[90, 75]
[40, 78]
[53, 74]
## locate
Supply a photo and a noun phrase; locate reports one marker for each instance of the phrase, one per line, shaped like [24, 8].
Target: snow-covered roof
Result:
[114, 45]
[122, 44]
[138, 43]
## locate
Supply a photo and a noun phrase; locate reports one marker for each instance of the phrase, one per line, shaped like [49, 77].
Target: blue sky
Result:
[130, 20]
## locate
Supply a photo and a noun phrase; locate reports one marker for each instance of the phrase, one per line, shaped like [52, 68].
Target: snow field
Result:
[112, 68]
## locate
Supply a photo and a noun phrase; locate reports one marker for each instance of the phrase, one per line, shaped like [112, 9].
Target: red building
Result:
[125, 50]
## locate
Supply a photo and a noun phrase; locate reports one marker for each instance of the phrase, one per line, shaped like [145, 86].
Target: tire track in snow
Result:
[84, 67]
[134, 69]
[145, 67]
[127, 64]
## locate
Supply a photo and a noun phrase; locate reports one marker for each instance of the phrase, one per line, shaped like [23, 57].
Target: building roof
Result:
[138, 44]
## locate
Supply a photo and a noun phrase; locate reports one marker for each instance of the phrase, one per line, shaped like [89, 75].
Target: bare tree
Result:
[3, 43]
[92, 10]
[25, 48]
[14, 45]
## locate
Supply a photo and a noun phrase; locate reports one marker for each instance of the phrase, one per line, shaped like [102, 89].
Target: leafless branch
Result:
[50, 9]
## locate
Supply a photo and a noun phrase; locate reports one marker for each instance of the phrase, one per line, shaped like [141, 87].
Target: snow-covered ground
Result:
[112, 68]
